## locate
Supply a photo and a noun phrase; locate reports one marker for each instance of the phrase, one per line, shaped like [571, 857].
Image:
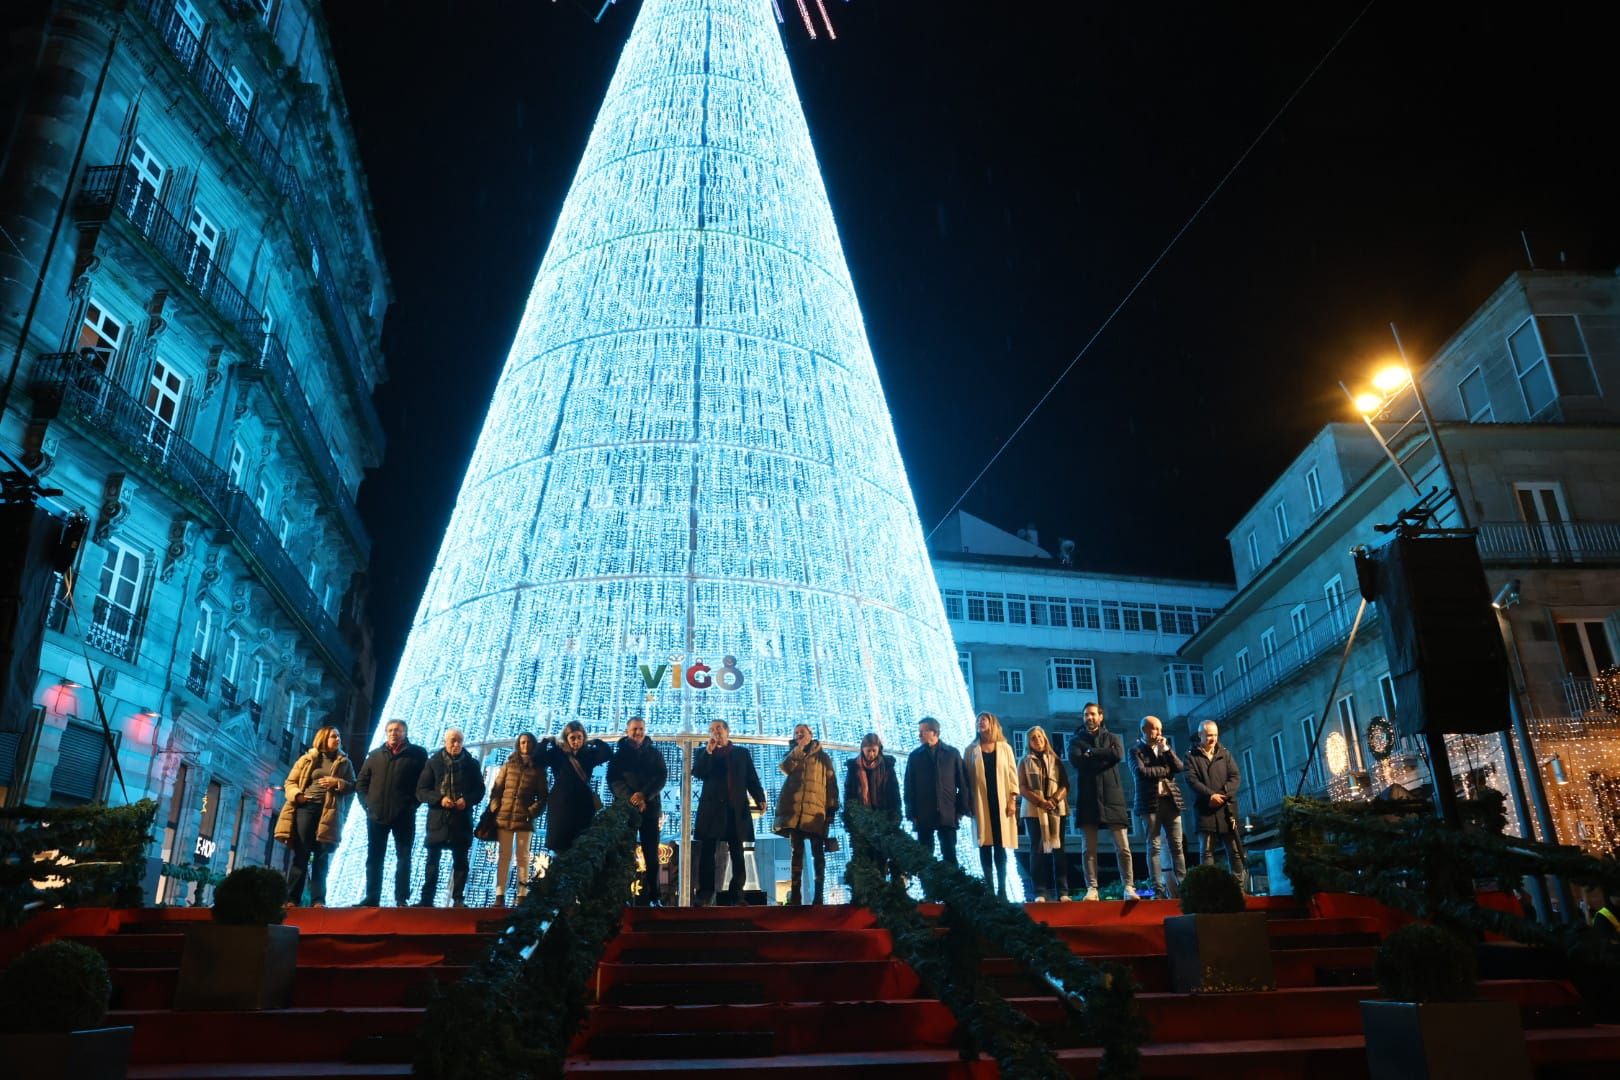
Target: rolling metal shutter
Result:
[78, 763]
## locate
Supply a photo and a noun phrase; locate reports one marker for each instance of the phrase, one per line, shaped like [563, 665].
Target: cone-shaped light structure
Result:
[688, 457]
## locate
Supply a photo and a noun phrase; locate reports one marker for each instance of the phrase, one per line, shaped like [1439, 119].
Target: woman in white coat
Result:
[992, 776]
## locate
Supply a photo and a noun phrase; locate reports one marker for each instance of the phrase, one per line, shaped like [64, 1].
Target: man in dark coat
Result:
[1159, 802]
[1099, 797]
[451, 785]
[387, 789]
[936, 790]
[637, 773]
[723, 813]
[1212, 773]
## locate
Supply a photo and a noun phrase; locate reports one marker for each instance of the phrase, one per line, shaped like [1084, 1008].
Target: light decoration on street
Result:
[688, 456]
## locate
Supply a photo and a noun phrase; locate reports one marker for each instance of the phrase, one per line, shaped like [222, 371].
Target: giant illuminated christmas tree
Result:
[688, 474]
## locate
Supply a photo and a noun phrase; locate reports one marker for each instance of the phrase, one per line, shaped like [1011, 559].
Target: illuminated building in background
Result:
[687, 501]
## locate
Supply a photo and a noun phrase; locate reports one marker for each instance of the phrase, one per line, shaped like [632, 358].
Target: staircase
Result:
[805, 991]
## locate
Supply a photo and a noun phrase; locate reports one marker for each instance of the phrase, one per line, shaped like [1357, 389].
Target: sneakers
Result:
[1130, 893]
[1065, 898]
[1091, 894]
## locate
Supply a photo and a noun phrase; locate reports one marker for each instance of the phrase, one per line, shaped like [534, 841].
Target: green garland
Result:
[1107, 1016]
[100, 856]
[514, 1014]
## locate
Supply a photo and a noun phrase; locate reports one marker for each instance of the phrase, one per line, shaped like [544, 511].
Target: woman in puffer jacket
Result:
[517, 797]
[805, 808]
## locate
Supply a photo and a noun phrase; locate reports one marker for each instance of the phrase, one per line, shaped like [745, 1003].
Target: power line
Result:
[1154, 265]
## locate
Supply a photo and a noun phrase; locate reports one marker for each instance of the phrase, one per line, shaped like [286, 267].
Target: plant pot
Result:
[237, 967]
[1449, 1040]
[1218, 954]
[92, 1054]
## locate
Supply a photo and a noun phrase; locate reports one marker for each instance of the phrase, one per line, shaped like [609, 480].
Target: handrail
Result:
[1318, 639]
[1542, 543]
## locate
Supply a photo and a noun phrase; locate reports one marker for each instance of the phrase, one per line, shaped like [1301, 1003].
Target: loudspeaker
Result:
[1442, 637]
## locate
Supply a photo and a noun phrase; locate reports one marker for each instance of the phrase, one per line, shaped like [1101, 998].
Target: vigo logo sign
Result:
[698, 676]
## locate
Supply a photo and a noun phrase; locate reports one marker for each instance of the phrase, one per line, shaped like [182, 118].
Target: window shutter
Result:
[10, 741]
[78, 764]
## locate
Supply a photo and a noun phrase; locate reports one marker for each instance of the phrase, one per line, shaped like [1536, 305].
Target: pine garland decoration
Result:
[515, 1013]
[1107, 1014]
[91, 854]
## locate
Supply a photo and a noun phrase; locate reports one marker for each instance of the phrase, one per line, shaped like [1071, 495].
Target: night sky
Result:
[1001, 173]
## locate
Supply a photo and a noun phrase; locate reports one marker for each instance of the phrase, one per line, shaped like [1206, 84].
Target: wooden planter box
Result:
[92, 1054]
[237, 967]
[1218, 954]
[1452, 1040]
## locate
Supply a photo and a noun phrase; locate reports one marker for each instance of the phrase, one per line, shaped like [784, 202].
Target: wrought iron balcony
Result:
[108, 188]
[1584, 699]
[197, 677]
[256, 711]
[227, 691]
[112, 629]
[1326, 635]
[68, 382]
[1550, 544]
[271, 365]
[237, 118]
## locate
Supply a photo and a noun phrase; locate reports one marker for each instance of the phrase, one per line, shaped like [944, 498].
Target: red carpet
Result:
[808, 991]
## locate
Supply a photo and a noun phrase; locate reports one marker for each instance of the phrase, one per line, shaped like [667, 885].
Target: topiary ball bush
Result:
[1210, 890]
[59, 986]
[1420, 963]
[251, 896]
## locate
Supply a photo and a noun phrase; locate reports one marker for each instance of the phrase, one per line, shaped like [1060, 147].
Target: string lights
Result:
[688, 461]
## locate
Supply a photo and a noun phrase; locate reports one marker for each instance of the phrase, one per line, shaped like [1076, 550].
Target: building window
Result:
[1205, 616]
[975, 606]
[1351, 732]
[1017, 608]
[190, 16]
[1217, 679]
[1268, 643]
[284, 530]
[1333, 593]
[1010, 681]
[202, 638]
[164, 392]
[1253, 544]
[1280, 514]
[314, 574]
[1130, 686]
[101, 334]
[267, 8]
[953, 604]
[1249, 775]
[1313, 488]
[112, 622]
[261, 679]
[238, 464]
[964, 660]
[1386, 690]
[1277, 760]
[239, 86]
[1087, 614]
[148, 173]
[1187, 679]
[326, 599]
[995, 608]
[1110, 615]
[1530, 365]
[1132, 616]
[1071, 673]
[1566, 350]
[1585, 647]
[1476, 402]
[233, 665]
[1242, 662]
[261, 499]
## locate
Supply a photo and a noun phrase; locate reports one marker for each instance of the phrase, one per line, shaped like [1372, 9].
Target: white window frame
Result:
[1279, 514]
[1333, 593]
[1182, 679]
[1009, 681]
[284, 529]
[165, 387]
[238, 464]
[1130, 686]
[1249, 775]
[1243, 661]
[261, 680]
[1278, 756]
[233, 657]
[954, 607]
[1217, 679]
[1252, 544]
[1268, 643]
[1484, 415]
[202, 636]
[104, 331]
[1528, 371]
[261, 499]
[240, 87]
[114, 576]
[1386, 693]
[964, 661]
[1313, 489]
[1344, 711]
[1081, 670]
[189, 15]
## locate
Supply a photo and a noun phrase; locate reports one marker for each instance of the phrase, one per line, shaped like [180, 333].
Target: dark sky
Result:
[1001, 173]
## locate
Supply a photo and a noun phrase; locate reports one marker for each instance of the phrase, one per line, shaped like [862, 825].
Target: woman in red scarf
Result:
[870, 781]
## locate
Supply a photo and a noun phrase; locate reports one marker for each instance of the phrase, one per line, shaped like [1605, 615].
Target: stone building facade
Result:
[192, 292]
[1524, 396]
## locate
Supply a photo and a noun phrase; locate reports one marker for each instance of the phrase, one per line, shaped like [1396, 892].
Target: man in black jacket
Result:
[936, 790]
[387, 789]
[1213, 775]
[637, 773]
[451, 785]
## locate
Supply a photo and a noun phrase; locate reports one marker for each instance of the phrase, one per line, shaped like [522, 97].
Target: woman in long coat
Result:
[992, 777]
[724, 813]
[1099, 797]
[573, 801]
[1044, 784]
[311, 821]
[517, 797]
[804, 808]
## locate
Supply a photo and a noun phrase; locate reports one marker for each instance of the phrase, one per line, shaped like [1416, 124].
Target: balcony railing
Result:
[282, 178]
[118, 187]
[1545, 543]
[197, 677]
[1318, 639]
[272, 365]
[1583, 699]
[227, 691]
[112, 629]
[67, 381]
[256, 711]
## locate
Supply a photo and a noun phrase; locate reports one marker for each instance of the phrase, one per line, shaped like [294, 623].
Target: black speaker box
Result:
[1442, 637]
